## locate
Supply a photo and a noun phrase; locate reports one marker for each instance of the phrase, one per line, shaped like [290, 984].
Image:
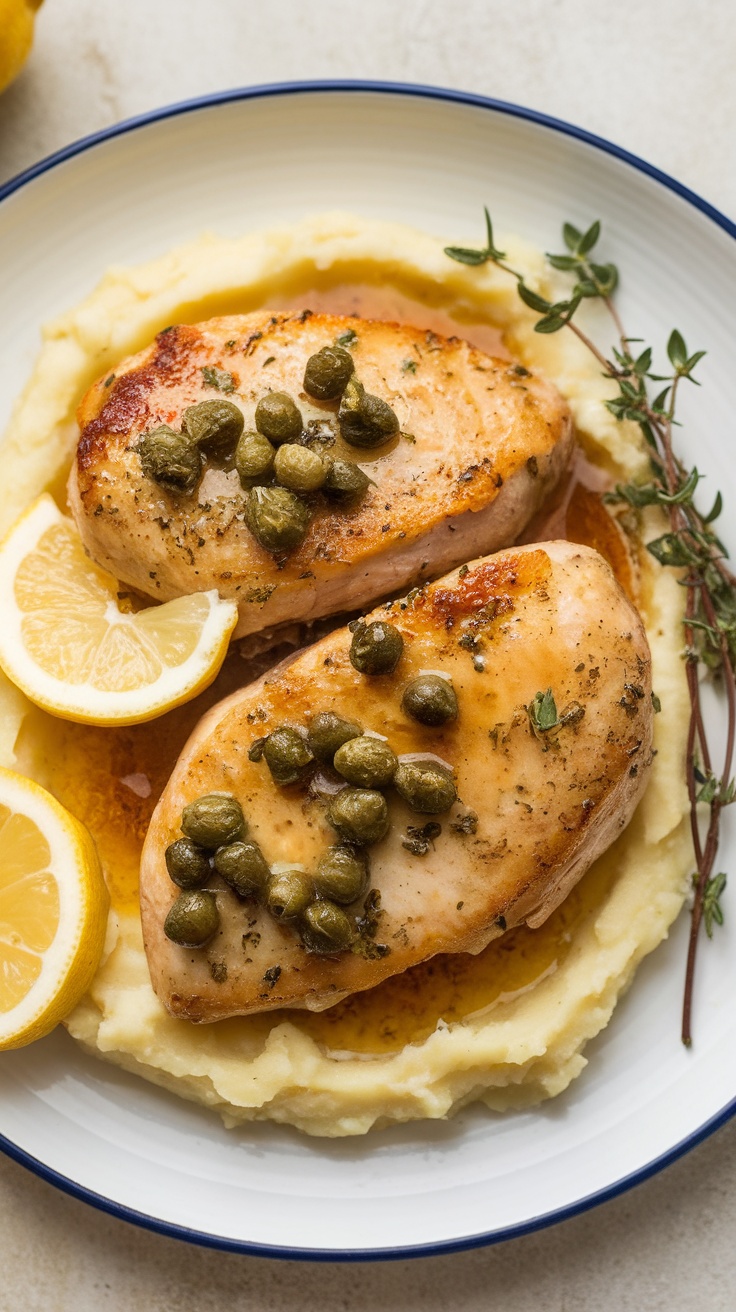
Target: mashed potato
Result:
[506, 1028]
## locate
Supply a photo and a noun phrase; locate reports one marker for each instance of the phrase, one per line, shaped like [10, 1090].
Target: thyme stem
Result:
[710, 612]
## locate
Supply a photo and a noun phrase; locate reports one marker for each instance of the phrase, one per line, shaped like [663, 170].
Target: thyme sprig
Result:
[690, 545]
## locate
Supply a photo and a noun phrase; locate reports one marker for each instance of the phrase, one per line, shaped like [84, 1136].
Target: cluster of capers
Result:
[276, 464]
[214, 827]
[316, 901]
[176, 459]
[366, 764]
[365, 420]
[214, 841]
[276, 514]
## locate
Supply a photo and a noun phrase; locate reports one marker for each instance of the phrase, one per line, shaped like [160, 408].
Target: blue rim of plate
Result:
[709, 1127]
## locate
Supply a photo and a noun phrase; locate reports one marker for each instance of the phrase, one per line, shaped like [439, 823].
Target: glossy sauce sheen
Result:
[112, 778]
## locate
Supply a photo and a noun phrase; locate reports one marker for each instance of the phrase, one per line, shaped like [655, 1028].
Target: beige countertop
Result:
[657, 79]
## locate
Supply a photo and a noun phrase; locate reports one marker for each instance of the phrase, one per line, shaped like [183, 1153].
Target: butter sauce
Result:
[407, 1008]
[370, 301]
[347, 291]
[111, 779]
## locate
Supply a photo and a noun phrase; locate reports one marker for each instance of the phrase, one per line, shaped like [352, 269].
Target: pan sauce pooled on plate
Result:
[506, 1025]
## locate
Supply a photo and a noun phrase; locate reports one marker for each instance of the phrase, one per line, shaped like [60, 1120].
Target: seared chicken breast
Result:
[481, 442]
[549, 751]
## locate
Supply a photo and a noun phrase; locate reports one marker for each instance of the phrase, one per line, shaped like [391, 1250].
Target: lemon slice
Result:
[16, 26]
[65, 642]
[53, 911]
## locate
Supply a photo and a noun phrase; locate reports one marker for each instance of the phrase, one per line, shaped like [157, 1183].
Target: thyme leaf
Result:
[543, 718]
[219, 378]
[543, 711]
[465, 255]
[712, 909]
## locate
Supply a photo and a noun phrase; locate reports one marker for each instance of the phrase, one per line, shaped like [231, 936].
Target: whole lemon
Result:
[16, 36]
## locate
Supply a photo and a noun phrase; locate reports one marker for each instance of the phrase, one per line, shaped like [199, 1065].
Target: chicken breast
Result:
[482, 442]
[541, 792]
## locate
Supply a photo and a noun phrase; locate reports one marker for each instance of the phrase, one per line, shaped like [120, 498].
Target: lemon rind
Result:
[69, 963]
[97, 706]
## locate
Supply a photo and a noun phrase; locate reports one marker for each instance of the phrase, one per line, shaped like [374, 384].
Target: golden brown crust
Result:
[486, 441]
[543, 616]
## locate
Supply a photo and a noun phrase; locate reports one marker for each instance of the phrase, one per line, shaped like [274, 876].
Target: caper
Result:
[287, 755]
[193, 919]
[278, 417]
[376, 648]
[276, 518]
[170, 458]
[254, 457]
[288, 894]
[329, 731]
[345, 481]
[328, 373]
[215, 426]
[187, 864]
[425, 786]
[365, 420]
[298, 468]
[360, 815]
[326, 928]
[243, 867]
[214, 819]
[430, 699]
[367, 762]
[342, 874]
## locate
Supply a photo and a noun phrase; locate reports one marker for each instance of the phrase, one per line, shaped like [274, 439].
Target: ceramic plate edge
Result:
[142, 1219]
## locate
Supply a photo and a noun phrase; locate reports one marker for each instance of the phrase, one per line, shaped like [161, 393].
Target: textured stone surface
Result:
[647, 76]
[658, 79]
[665, 1247]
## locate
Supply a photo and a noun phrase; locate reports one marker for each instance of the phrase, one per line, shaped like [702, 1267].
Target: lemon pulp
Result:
[53, 911]
[75, 631]
[29, 906]
[84, 649]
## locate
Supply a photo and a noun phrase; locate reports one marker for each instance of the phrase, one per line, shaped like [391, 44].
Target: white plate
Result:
[432, 159]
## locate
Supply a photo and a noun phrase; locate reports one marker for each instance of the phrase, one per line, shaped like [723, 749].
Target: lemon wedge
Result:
[68, 645]
[53, 911]
[16, 36]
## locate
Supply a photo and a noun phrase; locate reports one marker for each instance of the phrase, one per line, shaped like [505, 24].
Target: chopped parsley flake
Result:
[219, 378]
